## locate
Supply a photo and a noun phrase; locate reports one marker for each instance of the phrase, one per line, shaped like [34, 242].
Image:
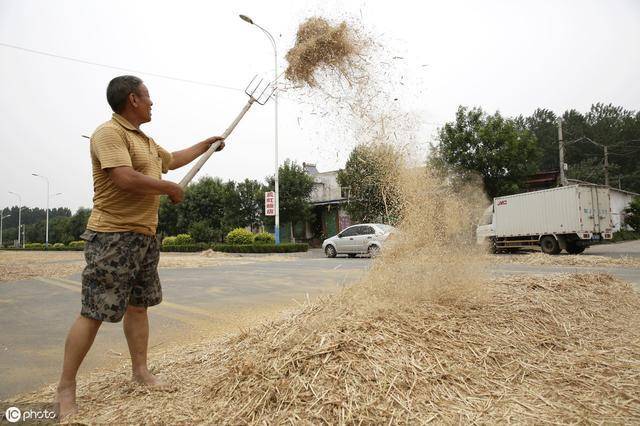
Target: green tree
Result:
[202, 232]
[167, 217]
[251, 202]
[543, 123]
[606, 124]
[499, 149]
[203, 201]
[632, 214]
[368, 176]
[295, 188]
[78, 222]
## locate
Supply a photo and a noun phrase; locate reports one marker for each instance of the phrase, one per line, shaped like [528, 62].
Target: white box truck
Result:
[567, 218]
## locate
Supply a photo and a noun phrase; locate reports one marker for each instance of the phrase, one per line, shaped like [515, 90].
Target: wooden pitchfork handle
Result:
[203, 159]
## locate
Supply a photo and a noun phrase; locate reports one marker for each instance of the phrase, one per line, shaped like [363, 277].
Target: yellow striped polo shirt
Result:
[118, 143]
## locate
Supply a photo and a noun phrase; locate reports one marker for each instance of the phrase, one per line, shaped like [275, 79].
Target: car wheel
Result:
[330, 251]
[549, 245]
[574, 249]
[373, 250]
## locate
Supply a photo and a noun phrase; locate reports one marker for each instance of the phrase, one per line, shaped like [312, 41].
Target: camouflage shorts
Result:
[122, 270]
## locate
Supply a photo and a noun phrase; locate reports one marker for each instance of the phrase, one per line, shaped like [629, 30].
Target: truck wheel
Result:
[574, 249]
[549, 245]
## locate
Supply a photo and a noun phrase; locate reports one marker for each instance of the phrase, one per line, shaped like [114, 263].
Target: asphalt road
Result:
[35, 314]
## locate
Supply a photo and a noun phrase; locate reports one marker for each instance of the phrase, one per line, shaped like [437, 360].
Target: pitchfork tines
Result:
[260, 90]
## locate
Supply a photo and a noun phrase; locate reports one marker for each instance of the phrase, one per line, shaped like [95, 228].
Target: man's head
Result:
[127, 95]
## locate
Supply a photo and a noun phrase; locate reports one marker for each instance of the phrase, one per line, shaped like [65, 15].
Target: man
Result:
[121, 249]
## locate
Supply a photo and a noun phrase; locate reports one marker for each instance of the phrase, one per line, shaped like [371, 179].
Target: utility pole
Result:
[606, 165]
[563, 180]
[46, 238]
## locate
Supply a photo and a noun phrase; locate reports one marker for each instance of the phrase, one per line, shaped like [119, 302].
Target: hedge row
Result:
[195, 247]
[40, 247]
[239, 248]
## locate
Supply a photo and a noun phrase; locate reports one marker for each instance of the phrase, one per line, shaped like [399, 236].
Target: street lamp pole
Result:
[275, 71]
[46, 239]
[19, 213]
[2, 216]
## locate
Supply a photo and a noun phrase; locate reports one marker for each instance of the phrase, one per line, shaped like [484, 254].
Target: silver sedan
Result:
[366, 238]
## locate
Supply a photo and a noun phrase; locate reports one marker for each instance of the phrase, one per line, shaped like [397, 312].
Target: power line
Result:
[82, 61]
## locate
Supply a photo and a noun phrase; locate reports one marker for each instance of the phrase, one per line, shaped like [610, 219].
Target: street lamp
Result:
[2, 216]
[275, 60]
[19, 213]
[46, 239]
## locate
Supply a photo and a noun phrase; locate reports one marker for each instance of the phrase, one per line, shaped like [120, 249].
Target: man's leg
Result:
[79, 340]
[136, 330]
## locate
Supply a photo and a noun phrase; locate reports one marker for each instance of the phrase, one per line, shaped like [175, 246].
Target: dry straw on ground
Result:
[568, 260]
[18, 265]
[559, 349]
[322, 46]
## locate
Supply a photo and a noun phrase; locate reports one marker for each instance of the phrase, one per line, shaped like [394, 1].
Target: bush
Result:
[58, 245]
[169, 241]
[624, 235]
[77, 244]
[238, 248]
[183, 239]
[264, 238]
[260, 248]
[240, 236]
[34, 246]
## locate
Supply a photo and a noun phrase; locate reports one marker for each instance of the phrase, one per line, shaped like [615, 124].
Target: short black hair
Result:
[119, 89]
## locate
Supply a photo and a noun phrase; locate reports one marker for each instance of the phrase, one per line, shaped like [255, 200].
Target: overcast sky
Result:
[512, 56]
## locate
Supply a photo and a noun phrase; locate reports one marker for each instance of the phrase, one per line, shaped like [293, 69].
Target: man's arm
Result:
[130, 180]
[185, 156]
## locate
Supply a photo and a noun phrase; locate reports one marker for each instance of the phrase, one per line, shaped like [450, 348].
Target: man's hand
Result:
[215, 139]
[175, 193]
[185, 156]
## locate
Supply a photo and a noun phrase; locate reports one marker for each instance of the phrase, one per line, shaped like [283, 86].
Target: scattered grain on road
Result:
[21, 265]
[587, 260]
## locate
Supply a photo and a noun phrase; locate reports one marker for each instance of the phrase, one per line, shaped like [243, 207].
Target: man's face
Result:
[142, 103]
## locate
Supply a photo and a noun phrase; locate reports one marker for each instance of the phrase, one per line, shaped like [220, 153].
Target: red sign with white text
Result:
[270, 203]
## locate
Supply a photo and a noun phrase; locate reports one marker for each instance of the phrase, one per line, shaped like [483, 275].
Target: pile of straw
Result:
[559, 349]
[321, 45]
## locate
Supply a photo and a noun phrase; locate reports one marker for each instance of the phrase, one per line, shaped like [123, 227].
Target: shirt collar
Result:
[124, 123]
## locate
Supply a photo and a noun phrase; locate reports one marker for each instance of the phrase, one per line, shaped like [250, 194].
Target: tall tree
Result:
[368, 176]
[295, 189]
[499, 149]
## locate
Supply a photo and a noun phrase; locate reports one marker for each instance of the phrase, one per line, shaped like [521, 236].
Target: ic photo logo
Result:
[12, 414]
[34, 413]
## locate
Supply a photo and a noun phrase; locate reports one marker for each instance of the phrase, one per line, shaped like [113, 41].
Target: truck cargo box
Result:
[579, 209]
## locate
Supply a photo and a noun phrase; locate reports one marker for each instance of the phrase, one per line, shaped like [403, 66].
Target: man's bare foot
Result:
[145, 378]
[66, 400]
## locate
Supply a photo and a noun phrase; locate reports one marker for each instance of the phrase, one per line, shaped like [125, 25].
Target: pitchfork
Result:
[258, 92]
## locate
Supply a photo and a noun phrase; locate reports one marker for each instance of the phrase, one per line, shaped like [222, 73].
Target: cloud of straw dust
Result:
[433, 256]
[434, 253]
